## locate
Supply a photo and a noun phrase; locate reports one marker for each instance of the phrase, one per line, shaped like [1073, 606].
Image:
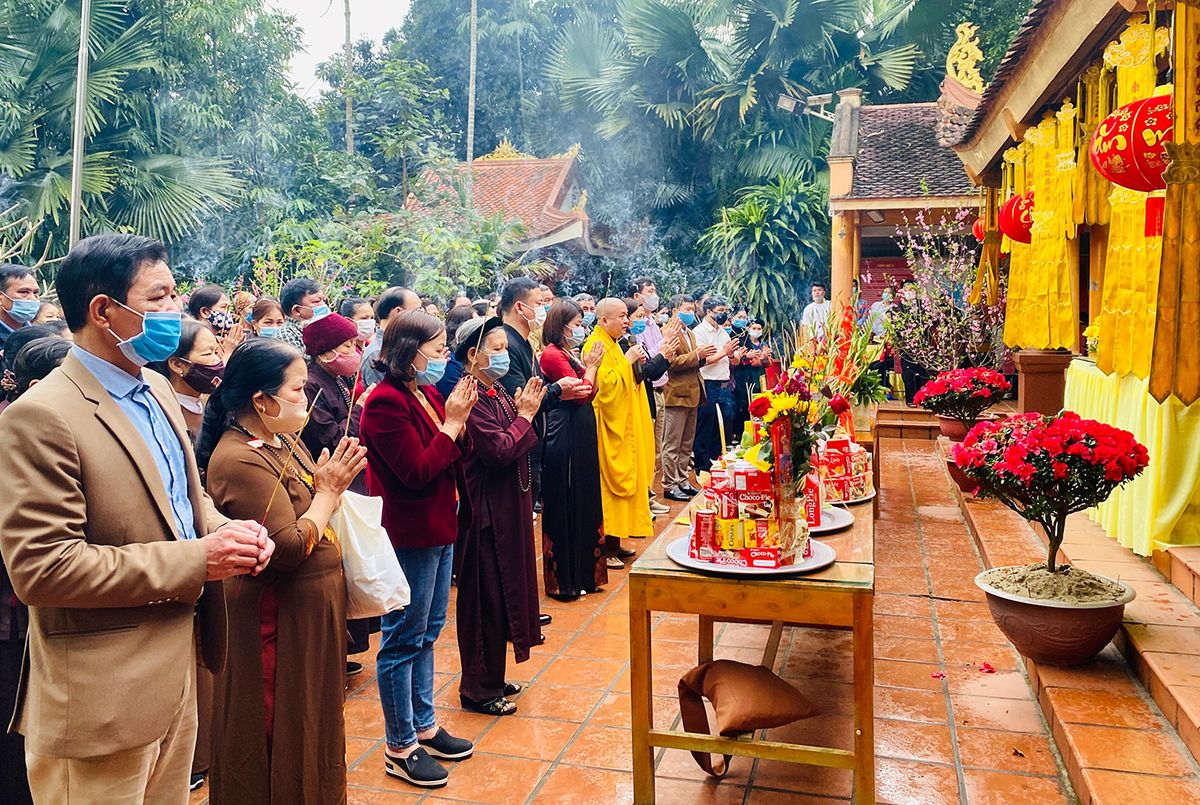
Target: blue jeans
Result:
[405, 661]
[707, 446]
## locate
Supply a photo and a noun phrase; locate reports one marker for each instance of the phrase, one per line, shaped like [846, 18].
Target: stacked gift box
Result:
[740, 522]
[844, 467]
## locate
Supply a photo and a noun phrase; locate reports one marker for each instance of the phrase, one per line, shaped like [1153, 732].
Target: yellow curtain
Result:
[1175, 368]
[1161, 507]
[1129, 297]
[1044, 313]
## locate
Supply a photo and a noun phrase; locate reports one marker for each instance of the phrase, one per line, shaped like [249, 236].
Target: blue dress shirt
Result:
[132, 395]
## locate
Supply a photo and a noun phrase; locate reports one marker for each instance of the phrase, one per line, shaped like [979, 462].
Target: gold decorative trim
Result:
[570, 153]
[1134, 47]
[505, 150]
[1184, 164]
[581, 205]
[962, 62]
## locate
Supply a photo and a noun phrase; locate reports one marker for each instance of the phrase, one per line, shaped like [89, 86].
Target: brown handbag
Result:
[745, 697]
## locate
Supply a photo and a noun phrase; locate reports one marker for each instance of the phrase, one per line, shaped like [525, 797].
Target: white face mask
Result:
[366, 328]
[650, 302]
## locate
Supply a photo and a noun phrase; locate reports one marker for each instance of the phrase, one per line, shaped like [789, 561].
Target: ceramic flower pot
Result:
[960, 478]
[1056, 632]
[954, 429]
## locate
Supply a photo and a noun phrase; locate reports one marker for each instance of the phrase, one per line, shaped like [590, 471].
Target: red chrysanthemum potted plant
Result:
[1045, 468]
[959, 398]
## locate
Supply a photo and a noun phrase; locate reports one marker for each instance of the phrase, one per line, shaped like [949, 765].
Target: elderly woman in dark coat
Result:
[497, 582]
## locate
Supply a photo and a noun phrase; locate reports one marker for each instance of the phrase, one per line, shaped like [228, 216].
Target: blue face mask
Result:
[637, 326]
[578, 336]
[435, 370]
[319, 312]
[269, 332]
[497, 365]
[688, 318]
[740, 324]
[23, 310]
[158, 339]
[589, 319]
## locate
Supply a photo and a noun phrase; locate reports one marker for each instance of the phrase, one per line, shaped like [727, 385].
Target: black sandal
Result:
[498, 706]
[512, 688]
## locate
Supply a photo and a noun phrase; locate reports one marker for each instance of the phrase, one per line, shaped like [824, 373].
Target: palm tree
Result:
[131, 178]
[771, 241]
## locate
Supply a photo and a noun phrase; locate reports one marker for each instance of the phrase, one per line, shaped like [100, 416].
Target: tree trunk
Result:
[346, 84]
[471, 95]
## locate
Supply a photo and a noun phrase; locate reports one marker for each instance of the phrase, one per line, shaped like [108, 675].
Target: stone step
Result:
[1143, 692]
[896, 420]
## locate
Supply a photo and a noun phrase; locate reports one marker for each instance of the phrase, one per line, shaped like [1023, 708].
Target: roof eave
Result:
[904, 203]
[1066, 40]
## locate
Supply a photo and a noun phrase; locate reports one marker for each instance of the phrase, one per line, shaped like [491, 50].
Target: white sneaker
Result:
[657, 508]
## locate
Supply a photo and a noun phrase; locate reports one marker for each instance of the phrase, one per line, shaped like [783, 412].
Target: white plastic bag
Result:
[375, 583]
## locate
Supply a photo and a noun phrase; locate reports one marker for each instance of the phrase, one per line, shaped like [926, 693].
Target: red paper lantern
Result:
[1016, 218]
[978, 229]
[1127, 148]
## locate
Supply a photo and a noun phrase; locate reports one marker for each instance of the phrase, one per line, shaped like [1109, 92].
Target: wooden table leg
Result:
[864, 700]
[642, 702]
[772, 649]
[704, 648]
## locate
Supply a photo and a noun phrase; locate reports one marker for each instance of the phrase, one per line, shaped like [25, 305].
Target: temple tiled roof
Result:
[898, 155]
[1017, 49]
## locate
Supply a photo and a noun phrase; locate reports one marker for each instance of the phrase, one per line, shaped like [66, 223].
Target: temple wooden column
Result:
[842, 269]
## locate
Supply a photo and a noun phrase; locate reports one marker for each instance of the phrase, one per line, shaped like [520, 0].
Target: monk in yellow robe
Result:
[624, 430]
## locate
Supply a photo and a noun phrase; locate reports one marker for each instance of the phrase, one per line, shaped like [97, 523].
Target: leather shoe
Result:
[689, 490]
[544, 619]
[677, 494]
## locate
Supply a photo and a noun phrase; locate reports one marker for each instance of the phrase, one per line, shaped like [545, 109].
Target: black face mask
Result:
[720, 318]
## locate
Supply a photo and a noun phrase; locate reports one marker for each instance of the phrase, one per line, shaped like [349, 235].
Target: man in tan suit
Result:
[102, 529]
[682, 396]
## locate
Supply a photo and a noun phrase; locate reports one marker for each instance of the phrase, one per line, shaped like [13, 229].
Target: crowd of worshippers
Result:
[172, 598]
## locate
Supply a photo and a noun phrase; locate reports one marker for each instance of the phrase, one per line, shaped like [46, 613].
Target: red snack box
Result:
[837, 457]
[860, 461]
[748, 478]
[704, 536]
[812, 499]
[837, 489]
[725, 503]
[755, 505]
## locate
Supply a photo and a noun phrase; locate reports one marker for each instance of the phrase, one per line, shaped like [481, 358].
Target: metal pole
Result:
[77, 144]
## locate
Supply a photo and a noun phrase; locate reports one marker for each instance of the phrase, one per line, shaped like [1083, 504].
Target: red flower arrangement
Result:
[963, 394]
[1045, 468]
[759, 407]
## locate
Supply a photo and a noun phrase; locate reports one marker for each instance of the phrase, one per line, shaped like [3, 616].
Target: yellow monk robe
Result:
[625, 434]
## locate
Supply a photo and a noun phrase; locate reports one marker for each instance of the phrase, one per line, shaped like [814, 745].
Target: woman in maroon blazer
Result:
[415, 445]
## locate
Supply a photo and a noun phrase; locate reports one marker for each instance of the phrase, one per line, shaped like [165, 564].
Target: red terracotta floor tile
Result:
[966, 653]
[1016, 715]
[911, 606]
[1118, 749]
[1106, 672]
[911, 705]
[1120, 788]
[897, 674]
[520, 736]
[759, 796]
[557, 701]
[1022, 752]
[1169, 639]
[997, 788]
[370, 796]
[603, 747]
[908, 740]
[803, 779]
[1175, 669]
[1002, 684]
[677, 764]
[901, 626]
[905, 782]
[1103, 707]
[580, 673]
[572, 785]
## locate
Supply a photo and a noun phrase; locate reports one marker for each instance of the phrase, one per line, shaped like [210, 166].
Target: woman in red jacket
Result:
[415, 445]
